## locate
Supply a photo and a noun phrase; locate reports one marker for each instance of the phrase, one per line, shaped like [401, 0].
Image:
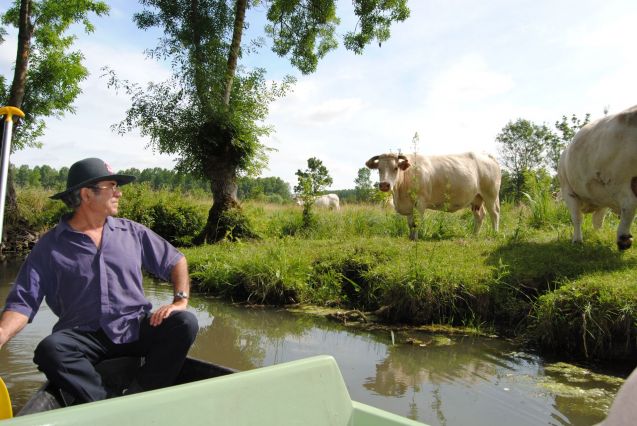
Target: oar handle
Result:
[10, 111]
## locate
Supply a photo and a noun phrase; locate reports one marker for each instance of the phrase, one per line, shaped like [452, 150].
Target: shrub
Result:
[177, 223]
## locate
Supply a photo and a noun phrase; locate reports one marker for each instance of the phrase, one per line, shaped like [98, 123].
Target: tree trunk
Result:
[235, 46]
[225, 218]
[16, 96]
[25, 32]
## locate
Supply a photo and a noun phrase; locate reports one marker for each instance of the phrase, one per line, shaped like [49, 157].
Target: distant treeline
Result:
[272, 189]
[269, 189]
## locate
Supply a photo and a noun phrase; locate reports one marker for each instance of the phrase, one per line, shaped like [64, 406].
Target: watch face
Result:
[181, 295]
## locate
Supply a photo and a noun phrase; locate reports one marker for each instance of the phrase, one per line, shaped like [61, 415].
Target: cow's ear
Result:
[372, 163]
[404, 164]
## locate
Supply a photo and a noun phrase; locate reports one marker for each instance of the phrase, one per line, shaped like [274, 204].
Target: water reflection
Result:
[436, 380]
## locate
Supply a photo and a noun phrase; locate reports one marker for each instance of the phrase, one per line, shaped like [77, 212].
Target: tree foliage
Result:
[528, 149]
[263, 188]
[363, 185]
[46, 79]
[311, 182]
[314, 179]
[566, 129]
[305, 30]
[47, 73]
[522, 144]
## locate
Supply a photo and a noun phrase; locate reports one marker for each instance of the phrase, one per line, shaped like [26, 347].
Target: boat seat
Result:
[306, 392]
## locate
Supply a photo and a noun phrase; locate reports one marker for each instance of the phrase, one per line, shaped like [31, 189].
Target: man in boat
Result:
[89, 269]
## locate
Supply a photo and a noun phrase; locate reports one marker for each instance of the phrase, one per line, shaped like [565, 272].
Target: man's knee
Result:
[186, 324]
[48, 352]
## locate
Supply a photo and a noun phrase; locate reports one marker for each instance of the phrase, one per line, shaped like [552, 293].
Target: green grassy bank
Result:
[528, 281]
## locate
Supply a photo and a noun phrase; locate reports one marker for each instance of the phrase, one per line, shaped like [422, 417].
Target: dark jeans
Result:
[68, 357]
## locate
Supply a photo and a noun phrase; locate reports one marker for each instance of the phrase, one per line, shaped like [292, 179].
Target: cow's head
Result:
[389, 167]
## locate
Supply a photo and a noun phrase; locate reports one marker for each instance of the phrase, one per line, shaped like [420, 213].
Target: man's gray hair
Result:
[73, 199]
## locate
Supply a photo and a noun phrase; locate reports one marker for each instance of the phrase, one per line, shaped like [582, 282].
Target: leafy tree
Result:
[21, 175]
[216, 105]
[363, 185]
[566, 128]
[521, 146]
[311, 182]
[47, 73]
[48, 176]
[63, 173]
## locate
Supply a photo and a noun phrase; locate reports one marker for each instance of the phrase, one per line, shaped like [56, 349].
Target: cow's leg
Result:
[413, 231]
[574, 208]
[493, 209]
[624, 238]
[478, 213]
[598, 217]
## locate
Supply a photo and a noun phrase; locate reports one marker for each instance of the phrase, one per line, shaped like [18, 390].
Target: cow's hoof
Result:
[624, 242]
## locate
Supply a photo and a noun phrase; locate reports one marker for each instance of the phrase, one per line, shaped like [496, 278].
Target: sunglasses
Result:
[114, 188]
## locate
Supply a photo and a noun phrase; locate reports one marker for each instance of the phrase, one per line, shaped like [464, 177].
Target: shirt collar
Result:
[63, 225]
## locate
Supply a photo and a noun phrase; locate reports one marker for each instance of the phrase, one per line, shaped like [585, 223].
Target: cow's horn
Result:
[372, 163]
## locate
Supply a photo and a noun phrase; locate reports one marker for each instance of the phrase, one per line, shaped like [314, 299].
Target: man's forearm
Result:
[180, 278]
[11, 323]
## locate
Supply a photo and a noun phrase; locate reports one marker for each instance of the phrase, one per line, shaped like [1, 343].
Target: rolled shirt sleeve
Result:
[26, 294]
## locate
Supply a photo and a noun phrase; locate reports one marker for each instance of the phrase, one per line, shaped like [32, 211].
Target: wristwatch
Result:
[181, 295]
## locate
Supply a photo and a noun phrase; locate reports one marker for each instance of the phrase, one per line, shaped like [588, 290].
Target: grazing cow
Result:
[445, 182]
[597, 171]
[329, 201]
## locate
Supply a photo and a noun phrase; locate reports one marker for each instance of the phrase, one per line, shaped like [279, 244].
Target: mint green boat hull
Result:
[307, 392]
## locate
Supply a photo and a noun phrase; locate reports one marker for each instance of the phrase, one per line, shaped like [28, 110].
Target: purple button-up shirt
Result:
[90, 288]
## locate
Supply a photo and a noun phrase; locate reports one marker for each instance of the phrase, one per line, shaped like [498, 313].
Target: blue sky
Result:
[456, 72]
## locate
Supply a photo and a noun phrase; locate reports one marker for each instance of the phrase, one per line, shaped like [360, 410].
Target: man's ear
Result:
[84, 194]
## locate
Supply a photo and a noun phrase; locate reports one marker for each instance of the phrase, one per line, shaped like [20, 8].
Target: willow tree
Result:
[209, 112]
[47, 73]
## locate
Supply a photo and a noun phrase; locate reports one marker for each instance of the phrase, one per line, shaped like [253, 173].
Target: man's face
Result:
[104, 198]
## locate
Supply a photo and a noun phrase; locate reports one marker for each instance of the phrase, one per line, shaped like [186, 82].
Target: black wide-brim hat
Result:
[88, 171]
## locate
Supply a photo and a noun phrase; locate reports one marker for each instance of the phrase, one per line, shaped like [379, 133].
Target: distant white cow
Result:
[598, 171]
[445, 182]
[329, 201]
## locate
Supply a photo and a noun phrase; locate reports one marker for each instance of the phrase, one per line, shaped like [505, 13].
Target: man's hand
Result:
[164, 311]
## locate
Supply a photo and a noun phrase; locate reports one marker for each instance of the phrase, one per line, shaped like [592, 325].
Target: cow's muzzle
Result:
[624, 241]
[384, 186]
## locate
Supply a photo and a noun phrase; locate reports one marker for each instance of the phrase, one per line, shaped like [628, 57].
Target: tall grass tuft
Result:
[546, 210]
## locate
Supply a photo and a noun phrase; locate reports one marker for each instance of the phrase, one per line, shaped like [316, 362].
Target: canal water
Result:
[435, 379]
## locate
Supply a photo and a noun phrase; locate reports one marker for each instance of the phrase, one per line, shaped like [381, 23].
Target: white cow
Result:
[329, 201]
[445, 182]
[598, 171]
